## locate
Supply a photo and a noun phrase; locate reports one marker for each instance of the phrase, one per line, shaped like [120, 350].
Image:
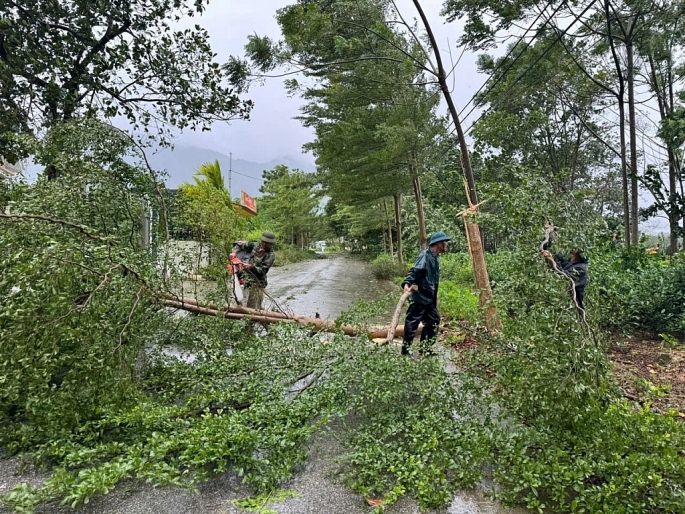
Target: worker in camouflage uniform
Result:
[261, 258]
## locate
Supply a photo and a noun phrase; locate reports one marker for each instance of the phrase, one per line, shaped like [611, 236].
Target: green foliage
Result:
[621, 461]
[670, 341]
[636, 291]
[206, 208]
[385, 268]
[73, 286]
[241, 411]
[459, 303]
[287, 254]
[140, 67]
[411, 429]
[457, 268]
[362, 313]
[259, 503]
[566, 441]
[289, 204]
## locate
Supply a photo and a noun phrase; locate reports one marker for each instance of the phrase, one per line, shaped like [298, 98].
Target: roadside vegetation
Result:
[102, 382]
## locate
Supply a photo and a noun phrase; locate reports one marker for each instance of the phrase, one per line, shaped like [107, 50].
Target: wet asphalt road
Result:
[327, 286]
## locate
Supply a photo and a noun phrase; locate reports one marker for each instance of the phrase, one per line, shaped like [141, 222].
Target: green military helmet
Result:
[268, 237]
[438, 237]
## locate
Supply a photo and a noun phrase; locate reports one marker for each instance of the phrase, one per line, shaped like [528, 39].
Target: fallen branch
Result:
[81, 228]
[396, 316]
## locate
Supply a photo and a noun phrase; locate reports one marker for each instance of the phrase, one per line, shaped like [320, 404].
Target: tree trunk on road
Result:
[266, 317]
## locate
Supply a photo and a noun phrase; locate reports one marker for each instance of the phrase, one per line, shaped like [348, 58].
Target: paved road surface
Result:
[327, 286]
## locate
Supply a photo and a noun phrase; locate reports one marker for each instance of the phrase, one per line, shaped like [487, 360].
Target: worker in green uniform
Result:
[261, 258]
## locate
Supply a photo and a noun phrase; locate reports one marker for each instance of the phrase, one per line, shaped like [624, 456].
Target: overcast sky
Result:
[272, 132]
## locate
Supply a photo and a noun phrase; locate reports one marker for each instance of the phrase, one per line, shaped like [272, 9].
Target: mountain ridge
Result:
[181, 162]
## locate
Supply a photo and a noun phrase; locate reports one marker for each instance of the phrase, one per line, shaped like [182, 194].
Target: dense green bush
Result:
[631, 290]
[75, 286]
[457, 268]
[569, 443]
[412, 429]
[384, 268]
[620, 461]
[458, 302]
[287, 254]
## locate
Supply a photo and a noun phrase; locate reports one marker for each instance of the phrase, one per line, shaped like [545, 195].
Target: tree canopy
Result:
[62, 59]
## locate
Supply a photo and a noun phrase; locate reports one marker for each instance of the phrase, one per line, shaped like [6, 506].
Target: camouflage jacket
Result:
[261, 261]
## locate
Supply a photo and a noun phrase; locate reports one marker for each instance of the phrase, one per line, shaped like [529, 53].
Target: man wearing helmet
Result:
[425, 275]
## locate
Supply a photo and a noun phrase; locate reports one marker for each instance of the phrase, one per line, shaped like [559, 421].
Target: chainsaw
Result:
[236, 263]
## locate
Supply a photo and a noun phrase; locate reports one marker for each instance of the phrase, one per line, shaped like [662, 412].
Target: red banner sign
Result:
[248, 202]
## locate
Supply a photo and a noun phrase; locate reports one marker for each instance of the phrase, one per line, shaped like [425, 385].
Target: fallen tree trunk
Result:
[266, 317]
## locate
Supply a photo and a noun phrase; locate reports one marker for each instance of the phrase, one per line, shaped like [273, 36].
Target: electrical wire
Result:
[504, 59]
[527, 70]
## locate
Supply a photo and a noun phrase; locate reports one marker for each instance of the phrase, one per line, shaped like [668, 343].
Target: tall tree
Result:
[291, 202]
[616, 26]
[367, 24]
[660, 48]
[546, 120]
[61, 59]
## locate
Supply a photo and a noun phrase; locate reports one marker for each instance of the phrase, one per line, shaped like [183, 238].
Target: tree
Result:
[613, 23]
[63, 59]
[290, 201]
[659, 48]
[548, 120]
[207, 209]
[76, 282]
[367, 25]
[371, 119]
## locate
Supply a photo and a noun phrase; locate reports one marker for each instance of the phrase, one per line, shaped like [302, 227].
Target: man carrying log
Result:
[425, 274]
[261, 258]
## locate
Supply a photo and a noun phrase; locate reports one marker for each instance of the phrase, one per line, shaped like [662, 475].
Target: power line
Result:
[540, 57]
[248, 176]
[504, 59]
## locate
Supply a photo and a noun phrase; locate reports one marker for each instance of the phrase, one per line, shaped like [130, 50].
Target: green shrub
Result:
[414, 430]
[458, 302]
[638, 293]
[287, 254]
[383, 268]
[457, 268]
[619, 461]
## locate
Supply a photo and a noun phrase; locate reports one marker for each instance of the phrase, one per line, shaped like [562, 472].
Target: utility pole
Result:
[230, 164]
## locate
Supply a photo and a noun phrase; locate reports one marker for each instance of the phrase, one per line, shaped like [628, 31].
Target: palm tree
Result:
[210, 173]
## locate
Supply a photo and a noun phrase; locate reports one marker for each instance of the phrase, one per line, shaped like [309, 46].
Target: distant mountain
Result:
[181, 162]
